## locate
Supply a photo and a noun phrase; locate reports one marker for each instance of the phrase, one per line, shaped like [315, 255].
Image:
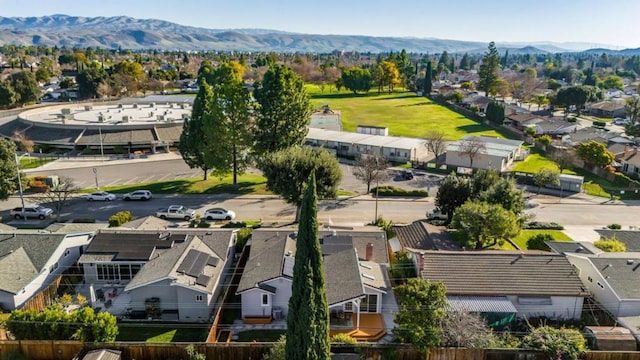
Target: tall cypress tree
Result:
[428, 76]
[308, 317]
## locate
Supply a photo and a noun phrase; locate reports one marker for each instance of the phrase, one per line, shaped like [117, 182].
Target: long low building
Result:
[484, 152]
[350, 144]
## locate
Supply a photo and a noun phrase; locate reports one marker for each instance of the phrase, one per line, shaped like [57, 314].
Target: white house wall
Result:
[604, 294]
[188, 308]
[481, 161]
[252, 299]
[561, 307]
[162, 289]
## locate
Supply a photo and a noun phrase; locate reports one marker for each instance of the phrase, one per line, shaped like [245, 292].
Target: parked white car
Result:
[101, 196]
[219, 214]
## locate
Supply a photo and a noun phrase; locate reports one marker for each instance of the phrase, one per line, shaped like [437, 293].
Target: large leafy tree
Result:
[452, 193]
[560, 343]
[545, 177]
[283, 112]
[227, 124]
[489, 68]
[25, 85]
[288, 170]
[8, 169]
[308, 318]
[504, 193]
[89, 80]
[356, 79]
[484, 223]
[8, 96]
[194, 150]
[595, 153]
[577, 96]
[482, 180]
[421, 309]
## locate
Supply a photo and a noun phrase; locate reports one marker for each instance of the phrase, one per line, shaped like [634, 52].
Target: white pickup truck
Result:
[176, 212]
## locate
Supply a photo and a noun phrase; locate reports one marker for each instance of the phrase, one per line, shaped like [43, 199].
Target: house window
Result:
[348, 307]
[265, 299]
[369, 303]
[199, 298]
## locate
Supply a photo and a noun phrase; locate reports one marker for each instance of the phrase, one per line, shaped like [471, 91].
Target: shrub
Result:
[556, 343]
[537, 225]
[388, 190]
[572, 119]
[536, 242]
[610, 245]
[544, 140]
[614, 226]
[120, 218]
[87, 151]
[402, 267]
[276, 352]
[242, 224]
[242, 237]
[342, 338]
[385, 225]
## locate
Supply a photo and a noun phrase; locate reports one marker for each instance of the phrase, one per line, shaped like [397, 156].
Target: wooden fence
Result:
[41, 350]
[44, 298]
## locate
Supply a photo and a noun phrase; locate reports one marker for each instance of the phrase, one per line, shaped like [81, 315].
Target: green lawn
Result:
[404, 113]
[33, 162]
[247, 184]
[162, 333]
[521, 239]
[260, 335]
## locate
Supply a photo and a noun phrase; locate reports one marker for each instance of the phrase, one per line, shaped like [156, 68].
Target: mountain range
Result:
[137, 34]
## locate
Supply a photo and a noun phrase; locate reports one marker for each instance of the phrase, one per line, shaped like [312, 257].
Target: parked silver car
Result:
[31, 212]
[137, 195]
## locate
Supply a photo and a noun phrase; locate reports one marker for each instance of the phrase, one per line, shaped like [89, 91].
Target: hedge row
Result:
[389, 190]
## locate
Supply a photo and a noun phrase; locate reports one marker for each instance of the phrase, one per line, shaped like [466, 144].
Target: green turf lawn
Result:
[33, 162]
[521, 239]
[247, 184]
[404, 113]
[161, 334]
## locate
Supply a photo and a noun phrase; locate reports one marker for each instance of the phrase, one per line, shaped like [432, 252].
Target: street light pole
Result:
[20, 184]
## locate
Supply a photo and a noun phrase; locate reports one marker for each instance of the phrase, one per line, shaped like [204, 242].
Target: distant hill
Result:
[130, 33]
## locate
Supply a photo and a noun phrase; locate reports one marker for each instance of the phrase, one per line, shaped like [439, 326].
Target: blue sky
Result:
[589, 21]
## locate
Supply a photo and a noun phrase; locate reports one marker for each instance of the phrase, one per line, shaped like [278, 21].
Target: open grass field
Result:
[162, 334]
[521, 239]
[247, 184]
[404, 113]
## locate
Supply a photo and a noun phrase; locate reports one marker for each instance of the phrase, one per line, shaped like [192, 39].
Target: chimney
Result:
[521, 254]
[369, 252]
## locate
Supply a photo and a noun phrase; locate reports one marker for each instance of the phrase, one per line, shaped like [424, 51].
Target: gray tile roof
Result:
[148, 223]
[22, 257]
[491, 273]
[621, 273]
[630, 238]
[103, 354]
[415, 236]
[76, 228]
[342, 277]
[169, 133]
[361, 237]
[166, 266]
[266, 257]
[563, 247]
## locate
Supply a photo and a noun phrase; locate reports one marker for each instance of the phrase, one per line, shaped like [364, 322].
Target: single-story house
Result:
[612, 279]
[29, 262]
[587, 134]
[491, 153]
[607, 109]
[169, 275]
[552, 126]
[630, 162]
[477, 100]
[527, 284]
[392, 148]
[355, 266]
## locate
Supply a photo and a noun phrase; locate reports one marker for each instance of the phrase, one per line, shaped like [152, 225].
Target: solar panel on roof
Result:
[188, 261]
[199, 264]
[203, 280]
[213, 261]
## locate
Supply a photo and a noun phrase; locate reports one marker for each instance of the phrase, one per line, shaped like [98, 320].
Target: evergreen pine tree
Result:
[308, 317]
[428, 75]
[489, 70]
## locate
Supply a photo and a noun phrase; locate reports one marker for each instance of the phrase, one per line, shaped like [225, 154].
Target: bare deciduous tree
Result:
[471, 148]
[24, 144]
[436, 143]
[464, 329]
[564, 158]
[369, 168]
[59, 194]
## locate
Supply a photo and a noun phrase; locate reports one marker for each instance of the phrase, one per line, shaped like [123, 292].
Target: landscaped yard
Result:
[404, 113]
[161, 333]
[521, 239]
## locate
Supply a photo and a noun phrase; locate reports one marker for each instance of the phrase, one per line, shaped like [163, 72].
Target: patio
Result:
[371, 328]
[106, 297]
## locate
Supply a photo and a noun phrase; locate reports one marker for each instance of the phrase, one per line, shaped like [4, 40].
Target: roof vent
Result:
[289, 253]
[629, 262]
